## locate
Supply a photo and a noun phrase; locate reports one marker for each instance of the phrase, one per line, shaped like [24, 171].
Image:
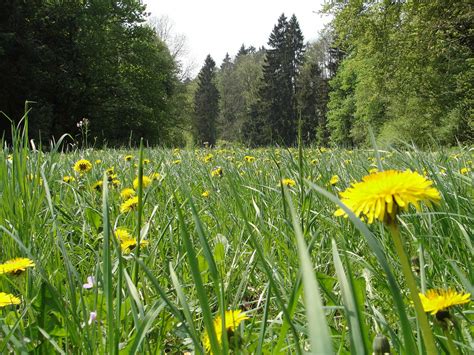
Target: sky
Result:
[216, 27]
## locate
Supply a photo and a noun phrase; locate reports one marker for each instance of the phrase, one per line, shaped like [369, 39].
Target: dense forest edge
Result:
[107, 71]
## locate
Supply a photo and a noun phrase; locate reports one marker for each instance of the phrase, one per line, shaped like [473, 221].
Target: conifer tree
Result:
[206, 104]
[278, 93]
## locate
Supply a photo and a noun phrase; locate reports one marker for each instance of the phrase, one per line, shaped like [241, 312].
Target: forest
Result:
[401, 69]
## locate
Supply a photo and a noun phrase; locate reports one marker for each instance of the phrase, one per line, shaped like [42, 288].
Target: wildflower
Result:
[176, 162]
[208, 158]
[288, 182]
[92, 317]
[334, 180]
[127, 193]
[217, 172]
[115, 182]
[129, 204]
[435, 301]
[98, 161]
[232, 321]
[128, 157]
[16, 266]
[146, 161]
[249, 159]
[380, 195]
[122, 234]
[97, 185]
[7, 299]
[82, 166]
[146, 181]
[110, 171]
[127, 245]
[90, 283]
[464, 170]
[155, 176]
[205, 194]
[68, 179]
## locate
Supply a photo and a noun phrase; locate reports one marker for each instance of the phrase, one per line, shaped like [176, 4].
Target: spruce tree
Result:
[206, 104]
[278, 93]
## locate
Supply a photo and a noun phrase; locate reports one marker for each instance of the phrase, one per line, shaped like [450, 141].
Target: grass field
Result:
[234, 239]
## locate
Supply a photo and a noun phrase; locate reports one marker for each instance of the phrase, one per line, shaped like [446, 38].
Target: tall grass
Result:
[308, 281]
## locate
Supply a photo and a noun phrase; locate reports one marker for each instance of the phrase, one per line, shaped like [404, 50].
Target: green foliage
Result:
[90, 59]
[408, 72]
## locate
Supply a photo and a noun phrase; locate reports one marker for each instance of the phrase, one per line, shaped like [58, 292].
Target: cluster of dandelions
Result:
[381, 196]
[13, 267]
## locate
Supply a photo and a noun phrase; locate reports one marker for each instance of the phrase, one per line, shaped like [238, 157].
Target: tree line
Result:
[401, 68]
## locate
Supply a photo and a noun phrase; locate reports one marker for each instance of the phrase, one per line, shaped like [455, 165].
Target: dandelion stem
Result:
[428, 338]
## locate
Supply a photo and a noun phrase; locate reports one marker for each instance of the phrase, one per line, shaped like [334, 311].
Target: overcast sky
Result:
[218, 26]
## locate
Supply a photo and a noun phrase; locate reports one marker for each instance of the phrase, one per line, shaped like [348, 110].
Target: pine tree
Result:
[206, 104]
[278, 93]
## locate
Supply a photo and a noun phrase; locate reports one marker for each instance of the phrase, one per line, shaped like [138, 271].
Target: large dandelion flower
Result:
[232, 321]
[7, 299]
[82, 166]
[128, 245]
[129, 205]
[435, 301]
[380, 195]
[16, 266]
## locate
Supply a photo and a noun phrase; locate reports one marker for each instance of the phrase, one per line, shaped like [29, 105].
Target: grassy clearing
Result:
[307, 280]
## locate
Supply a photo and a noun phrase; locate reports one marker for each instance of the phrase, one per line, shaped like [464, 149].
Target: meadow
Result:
[123, 264]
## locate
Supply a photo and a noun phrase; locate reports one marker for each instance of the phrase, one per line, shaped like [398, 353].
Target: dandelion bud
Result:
[380, 346]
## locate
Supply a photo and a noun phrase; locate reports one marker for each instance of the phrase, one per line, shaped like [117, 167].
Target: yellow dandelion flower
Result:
[334, 180]
[82, 166]
[129, 204]
[381, 195]
[128, 245]
[232, 321]
[116, 182]
[208, 158]
[464, 170]
[217, 172]
[127, 193]
[110, 171]
[249, 159]
[68, 179]
[155, 176]
[16, 266]
[98, 161]
[97, 185]
[7, 299]
[205, 194]
[122, 234]
[146, 181]
[146, 161]
[128, 157]
[435, 301]
[288, 182]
